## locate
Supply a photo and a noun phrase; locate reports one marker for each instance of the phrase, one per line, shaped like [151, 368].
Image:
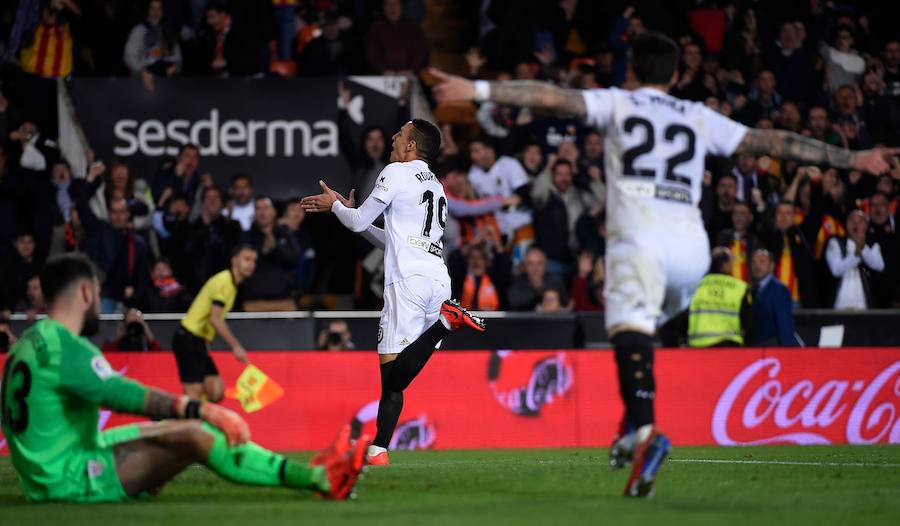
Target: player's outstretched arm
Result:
[356, 219]
[527, 93]
[162, 405]
[795, 147]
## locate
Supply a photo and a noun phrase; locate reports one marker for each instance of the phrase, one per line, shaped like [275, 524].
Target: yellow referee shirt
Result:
[219, 290]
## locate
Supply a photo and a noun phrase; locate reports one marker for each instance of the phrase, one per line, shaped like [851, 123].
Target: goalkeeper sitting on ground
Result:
[54, 383]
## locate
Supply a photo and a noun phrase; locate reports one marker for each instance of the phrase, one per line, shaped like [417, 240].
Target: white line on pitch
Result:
[525, 463]
[786, 463]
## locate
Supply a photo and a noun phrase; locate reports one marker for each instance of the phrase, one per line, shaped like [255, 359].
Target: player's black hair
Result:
[242, 247]
[654, 58]
[428, 139]
[241, 175]
[62, 272]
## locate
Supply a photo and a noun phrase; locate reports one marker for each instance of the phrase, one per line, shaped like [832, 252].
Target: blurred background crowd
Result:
[526, 190]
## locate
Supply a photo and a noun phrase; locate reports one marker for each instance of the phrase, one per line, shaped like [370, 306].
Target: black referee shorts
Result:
[192, 357]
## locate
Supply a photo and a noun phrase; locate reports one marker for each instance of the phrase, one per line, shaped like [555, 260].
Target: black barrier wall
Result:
[511, 331]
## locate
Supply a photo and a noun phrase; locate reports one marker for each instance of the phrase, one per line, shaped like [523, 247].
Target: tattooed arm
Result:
[535, 94]
[794, 147]
[162, 405]
[525, 93]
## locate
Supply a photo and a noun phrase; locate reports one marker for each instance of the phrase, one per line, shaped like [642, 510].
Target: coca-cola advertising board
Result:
[560, 398]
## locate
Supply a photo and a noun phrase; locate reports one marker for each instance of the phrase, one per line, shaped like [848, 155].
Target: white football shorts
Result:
[651, 278]
[411, 305]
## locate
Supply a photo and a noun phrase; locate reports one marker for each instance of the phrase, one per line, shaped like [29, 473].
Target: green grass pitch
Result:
[760, 485]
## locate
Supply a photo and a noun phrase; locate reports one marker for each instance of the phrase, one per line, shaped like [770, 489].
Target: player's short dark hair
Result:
[242, 247]
[654, 58]
[428, 139]
[62, 272]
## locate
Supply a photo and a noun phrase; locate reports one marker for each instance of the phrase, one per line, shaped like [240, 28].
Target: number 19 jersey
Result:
[414, 221]
[655, 147]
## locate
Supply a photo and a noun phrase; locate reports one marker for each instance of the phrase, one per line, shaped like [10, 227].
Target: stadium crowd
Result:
[526, 190]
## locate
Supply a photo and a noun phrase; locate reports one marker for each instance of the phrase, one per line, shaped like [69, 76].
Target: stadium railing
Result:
[506, 330]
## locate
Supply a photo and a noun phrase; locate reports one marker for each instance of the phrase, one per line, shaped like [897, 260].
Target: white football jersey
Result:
[504, 177]
[414, 221]
[656, 145]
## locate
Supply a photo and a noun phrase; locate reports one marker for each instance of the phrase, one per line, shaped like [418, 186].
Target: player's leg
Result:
[390, 404]
[163, 450]
[416, 309]
[635, 292]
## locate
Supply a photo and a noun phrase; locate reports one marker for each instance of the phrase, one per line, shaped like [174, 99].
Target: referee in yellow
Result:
[203, 321]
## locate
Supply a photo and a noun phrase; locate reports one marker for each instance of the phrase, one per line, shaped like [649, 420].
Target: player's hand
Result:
[240, 354]
[234, 427]
[875, 160]
[451, 88]
[321, 202]
[350, 200]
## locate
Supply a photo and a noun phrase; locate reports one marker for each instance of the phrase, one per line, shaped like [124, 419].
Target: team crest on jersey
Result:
[380, 333]
[101, 367]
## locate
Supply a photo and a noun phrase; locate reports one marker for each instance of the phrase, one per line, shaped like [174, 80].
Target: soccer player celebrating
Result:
[206, 318]
[54, 382]
[657, 249]
[417, 310]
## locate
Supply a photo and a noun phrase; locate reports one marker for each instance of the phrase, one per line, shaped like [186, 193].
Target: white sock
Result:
[375, 450]
[643, 432]
[444, 321]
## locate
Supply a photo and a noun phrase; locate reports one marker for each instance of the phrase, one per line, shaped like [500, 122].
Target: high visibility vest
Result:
[715, 312]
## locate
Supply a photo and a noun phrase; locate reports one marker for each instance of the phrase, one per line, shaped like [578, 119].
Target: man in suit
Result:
[773, 319]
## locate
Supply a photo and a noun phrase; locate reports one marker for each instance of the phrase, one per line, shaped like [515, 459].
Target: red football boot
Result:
[343, 471]
[459, 317]
[337, 448]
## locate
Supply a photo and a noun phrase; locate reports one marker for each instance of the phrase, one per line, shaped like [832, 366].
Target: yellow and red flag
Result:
[254, 389]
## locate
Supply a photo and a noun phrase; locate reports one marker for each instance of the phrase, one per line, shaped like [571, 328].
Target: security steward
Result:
[719, 315]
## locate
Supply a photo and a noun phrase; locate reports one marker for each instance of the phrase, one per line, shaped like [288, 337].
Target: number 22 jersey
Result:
[655, 148]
